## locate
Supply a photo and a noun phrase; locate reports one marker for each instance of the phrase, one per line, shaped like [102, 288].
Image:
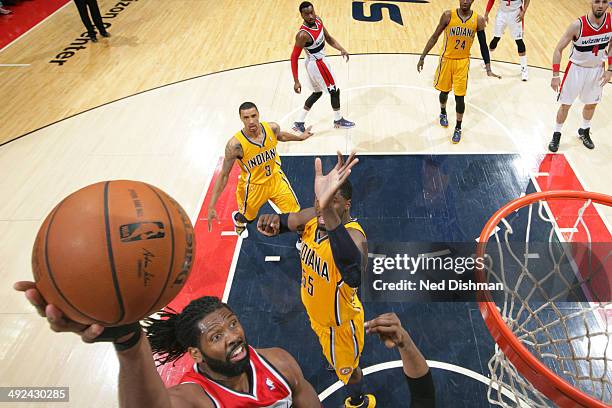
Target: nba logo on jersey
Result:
[270, 384]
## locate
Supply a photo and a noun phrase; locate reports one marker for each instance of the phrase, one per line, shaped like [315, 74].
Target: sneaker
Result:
[456, 136]
[5, 11]
[299, 127]
[92, 37]
[524, 74]
[343, 124]
[368, 402]
[443, 120]
[553, 146]
[584, 135]
[240, 227]
[105, 34]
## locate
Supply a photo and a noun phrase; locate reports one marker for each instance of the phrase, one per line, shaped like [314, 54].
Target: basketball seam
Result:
[111, 258]
[50, 271]
[172, 252]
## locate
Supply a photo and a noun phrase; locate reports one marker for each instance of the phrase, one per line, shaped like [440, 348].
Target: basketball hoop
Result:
[548, 350]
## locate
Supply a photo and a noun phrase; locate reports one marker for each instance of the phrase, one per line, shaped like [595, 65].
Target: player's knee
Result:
[460, 101]
[520, 44]
[335, 99]
[312, 99]
[443, 97]
[494, 42]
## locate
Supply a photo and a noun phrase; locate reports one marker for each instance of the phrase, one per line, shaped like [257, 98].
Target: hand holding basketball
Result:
[326, 185]
[389, 329]
[269, 224]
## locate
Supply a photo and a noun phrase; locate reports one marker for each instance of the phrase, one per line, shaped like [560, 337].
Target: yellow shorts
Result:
[452, 74]
[342, 345]
[251, 197]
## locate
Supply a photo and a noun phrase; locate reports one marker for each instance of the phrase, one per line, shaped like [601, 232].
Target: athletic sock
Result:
[302, 116]
[337, 115]
[458, 126]
[558, 127]
[586, 124]
[523, 61]
[443, 111]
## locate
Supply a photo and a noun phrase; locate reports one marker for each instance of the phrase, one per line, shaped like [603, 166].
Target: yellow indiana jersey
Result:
[259, 161]
[459, 36]
[327, 299]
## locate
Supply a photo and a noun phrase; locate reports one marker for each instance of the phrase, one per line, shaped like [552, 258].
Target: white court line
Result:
[568, 230]
[15, 65]
[228, 233]
[402, 153]
[432, 364]
[543, 174]
[27, 32]
[232, 271]
[272, 258]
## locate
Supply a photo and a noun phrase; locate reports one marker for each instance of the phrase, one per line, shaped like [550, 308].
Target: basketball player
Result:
[585, 75]
[333, 254]
[227, 372]
[393, 335]
[460, 26]
[312, 37]
[511, 14]
[261, 177]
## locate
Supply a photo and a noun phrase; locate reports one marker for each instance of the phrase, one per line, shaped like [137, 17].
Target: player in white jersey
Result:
[312, 37]
[511, 14]
[585, 75]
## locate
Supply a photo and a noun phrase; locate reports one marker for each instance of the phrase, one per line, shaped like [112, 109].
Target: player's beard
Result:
[225, 367]
[598, 14]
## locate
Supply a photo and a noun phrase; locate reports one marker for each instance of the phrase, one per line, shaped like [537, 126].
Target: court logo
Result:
[376, 11]
[140, 231]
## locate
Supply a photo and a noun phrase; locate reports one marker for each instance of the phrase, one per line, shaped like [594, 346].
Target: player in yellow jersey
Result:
[261, 178]
[333, 256]
[459, 26]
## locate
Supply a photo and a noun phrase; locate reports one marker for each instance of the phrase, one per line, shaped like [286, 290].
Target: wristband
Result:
[111, 334]
[609, 60]
[129, 343]
[556, 68]
[284, 223]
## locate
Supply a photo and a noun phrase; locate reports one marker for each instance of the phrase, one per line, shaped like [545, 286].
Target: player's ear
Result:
[348, 203]
[196, 354]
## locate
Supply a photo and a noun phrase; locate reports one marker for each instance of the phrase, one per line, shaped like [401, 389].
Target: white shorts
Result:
[583, 82]
[508, 19]
[320, 75]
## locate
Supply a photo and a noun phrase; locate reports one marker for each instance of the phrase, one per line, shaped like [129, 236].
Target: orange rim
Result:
[547, 382]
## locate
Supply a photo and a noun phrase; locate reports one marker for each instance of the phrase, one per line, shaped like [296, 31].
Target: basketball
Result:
[113, 252]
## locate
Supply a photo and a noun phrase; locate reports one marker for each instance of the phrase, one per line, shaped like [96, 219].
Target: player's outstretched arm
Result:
[488, 10]
[484, 47]
[389, 328]
[233, 151]
[290, 137]
[274, 224]
[334, 43]
[521, 15]
[572, 32]
[444, 20]
[301, 38]
[139, 383]
[304, 395]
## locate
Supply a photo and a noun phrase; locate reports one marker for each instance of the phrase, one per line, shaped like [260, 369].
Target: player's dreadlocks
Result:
[173, 333]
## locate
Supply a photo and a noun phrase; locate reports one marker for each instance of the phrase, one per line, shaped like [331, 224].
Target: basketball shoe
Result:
[553, 146]
[368, 402]
[584, 135]
[456, 136]
[299, 127]
[240, 227]
[343, 124]
[524, 74]
[443, 120]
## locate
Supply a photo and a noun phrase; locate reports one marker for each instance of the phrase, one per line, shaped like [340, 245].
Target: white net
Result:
[556, 302]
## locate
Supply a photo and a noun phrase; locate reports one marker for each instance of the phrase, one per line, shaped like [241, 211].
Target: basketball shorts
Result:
[452, 75]
[320, 75]
[277, 190]
[342, 345]
[583, 82]
[507, 19]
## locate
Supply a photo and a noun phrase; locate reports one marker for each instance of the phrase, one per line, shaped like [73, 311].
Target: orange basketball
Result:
[113, 252]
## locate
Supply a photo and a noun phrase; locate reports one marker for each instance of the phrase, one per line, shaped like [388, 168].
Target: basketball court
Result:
[157, 102]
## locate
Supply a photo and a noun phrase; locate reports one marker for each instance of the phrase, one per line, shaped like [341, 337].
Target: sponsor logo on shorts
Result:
[140, 231]
[346, 370]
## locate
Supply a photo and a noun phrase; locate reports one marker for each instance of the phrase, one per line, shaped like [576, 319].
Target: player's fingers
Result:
[318, 167]
[59, 323]
[36, 300]
[22, 286]
[91, 332]
[340, 159]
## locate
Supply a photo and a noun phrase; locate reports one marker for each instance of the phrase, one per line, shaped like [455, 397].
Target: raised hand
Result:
[326, 185]
[389, 329]
[211, 216]
[307, 133]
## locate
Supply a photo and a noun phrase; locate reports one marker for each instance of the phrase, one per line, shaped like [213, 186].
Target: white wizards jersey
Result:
[315, 50]
[590, 49]
[510, 5]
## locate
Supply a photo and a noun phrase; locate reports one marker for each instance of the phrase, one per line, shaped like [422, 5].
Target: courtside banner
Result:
[447, 271]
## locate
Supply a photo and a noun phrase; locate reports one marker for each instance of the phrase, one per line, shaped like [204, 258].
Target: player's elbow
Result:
[351, 275]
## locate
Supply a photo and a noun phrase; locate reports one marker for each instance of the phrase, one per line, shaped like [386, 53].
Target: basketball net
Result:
[552, 324]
